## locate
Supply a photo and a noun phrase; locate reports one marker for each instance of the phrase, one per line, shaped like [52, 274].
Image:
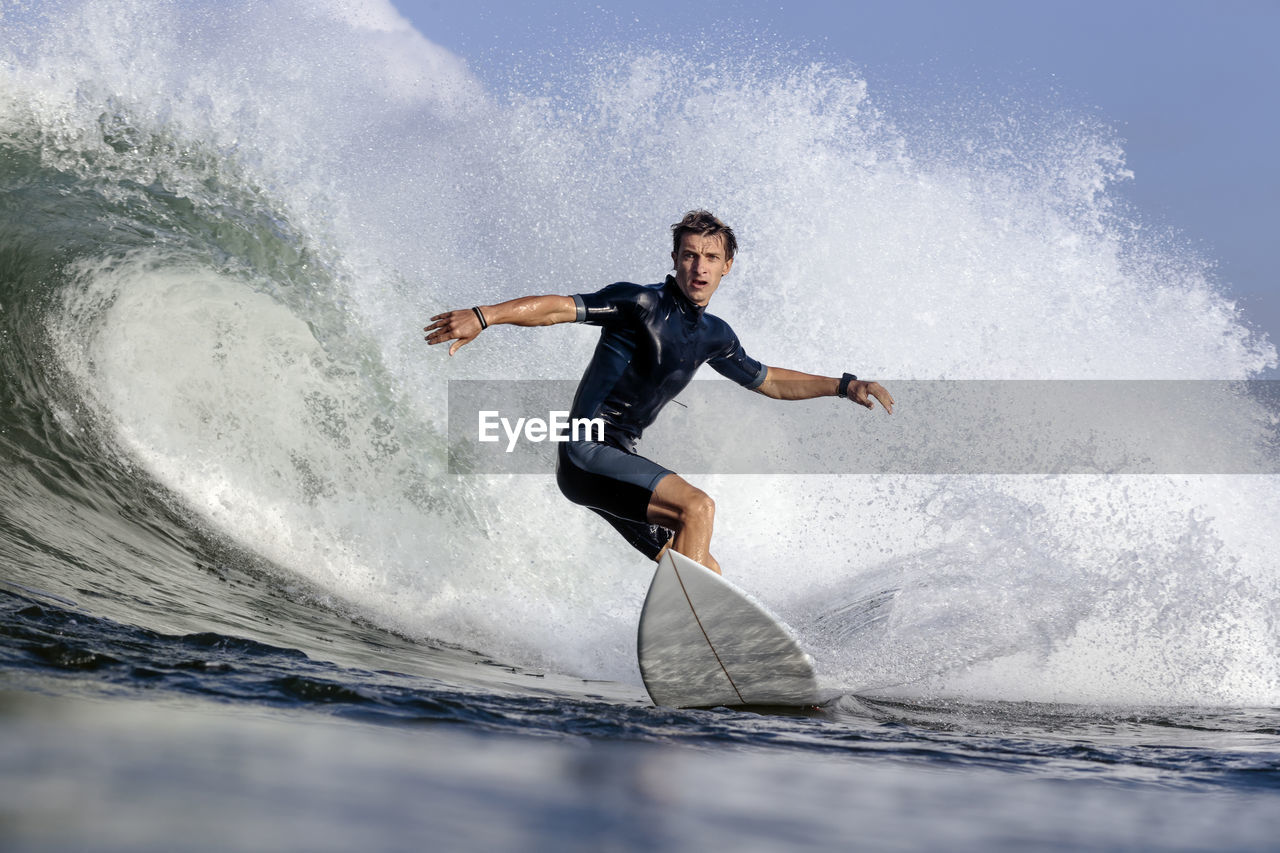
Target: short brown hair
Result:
[705, 223]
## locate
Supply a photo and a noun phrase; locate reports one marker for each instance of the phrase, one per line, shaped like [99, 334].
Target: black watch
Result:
[844, 384]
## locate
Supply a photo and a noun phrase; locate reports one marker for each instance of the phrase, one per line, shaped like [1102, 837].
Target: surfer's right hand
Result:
[461, 327]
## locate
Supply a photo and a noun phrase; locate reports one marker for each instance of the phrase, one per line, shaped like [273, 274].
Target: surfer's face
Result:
[700, 264]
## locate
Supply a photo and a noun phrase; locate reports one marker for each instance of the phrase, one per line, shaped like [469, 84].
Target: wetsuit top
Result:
[653, 341]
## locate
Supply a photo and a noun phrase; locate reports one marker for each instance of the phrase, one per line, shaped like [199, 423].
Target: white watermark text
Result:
[557, 426]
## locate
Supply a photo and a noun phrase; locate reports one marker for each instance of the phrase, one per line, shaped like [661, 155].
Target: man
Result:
[654, 338]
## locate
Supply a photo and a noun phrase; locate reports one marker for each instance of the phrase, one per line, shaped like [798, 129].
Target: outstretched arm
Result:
[782, 384]
[462, 326]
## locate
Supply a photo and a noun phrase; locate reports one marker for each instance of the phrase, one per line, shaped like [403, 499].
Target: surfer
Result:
[654, 337]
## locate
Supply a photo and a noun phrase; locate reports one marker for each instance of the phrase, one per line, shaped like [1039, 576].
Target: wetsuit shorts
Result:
[618, 485]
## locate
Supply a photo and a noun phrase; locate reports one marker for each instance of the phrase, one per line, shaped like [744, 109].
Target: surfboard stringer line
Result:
[710, 644]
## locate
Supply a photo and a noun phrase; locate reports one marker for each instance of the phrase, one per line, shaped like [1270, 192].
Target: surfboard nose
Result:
[703, 643]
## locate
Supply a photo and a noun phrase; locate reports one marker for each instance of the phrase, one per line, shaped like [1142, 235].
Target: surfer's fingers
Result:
[452, 318]
[438, 333]
[865, 391]
[451, 325]
[442, 321]
[886, 399]
[439, 325]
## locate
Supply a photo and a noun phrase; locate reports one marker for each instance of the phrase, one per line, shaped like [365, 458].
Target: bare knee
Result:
[682, 507]
[698, 509]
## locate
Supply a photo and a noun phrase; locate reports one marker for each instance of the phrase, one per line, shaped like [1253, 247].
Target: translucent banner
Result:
[937, 428]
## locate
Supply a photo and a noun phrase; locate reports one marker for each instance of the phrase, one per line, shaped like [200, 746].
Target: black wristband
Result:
[480, 317]
[844, 384]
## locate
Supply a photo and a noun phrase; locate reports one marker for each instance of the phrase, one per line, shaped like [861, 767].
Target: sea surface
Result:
[246, 604]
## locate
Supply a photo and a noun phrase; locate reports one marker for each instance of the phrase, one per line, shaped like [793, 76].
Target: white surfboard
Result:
[704, 643]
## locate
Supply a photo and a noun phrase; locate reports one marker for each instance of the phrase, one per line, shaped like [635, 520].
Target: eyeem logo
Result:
[941, 427]
[557, 427]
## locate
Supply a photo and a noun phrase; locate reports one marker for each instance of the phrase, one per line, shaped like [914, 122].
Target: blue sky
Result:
[1192, 87]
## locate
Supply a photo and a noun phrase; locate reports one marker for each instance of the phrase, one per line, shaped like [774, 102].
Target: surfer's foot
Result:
[710, 562]
[690, 512]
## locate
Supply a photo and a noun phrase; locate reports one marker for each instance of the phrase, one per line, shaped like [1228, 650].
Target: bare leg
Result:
[688, 511]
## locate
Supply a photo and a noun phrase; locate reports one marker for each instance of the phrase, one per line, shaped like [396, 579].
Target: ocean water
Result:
[244, 603]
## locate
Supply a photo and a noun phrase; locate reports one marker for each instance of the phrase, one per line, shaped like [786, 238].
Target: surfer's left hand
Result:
[862, 393]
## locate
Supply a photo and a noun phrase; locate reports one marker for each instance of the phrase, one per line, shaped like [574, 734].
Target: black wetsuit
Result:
[653, 341]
